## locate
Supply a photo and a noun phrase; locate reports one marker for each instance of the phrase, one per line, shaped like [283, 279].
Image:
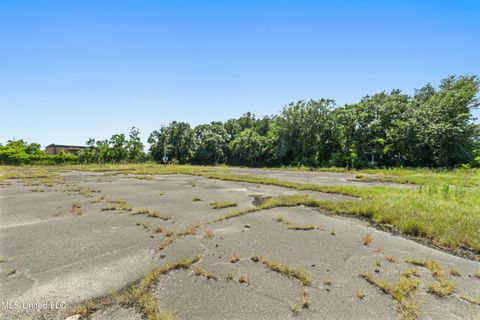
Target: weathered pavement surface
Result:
[61, 255]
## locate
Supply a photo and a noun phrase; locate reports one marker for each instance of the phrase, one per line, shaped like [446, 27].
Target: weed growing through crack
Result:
[76, 209]
[367, 239]
[209, 234]
[391, 259]
[295, 307]
[234, 258]
[401, 291]
[244, 278]
[223, 204]
[199, 271]
[360, 295]
[152, 214]
[473, 300]
[140, 295]
[454, 272]
[10, 271]
[410, 272]
[305, 299]
[443, 287]
[292, 272]
[195, 199]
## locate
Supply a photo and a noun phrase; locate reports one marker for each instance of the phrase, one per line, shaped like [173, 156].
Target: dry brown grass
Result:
[76, 209]
[152, 214]
[199, 271]
[244, 278]
[360, 294]
[209, 234]
[367, 239]
[234, 258]
[391, 259]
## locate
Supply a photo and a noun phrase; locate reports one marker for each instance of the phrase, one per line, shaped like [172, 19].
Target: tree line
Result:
[432, 128]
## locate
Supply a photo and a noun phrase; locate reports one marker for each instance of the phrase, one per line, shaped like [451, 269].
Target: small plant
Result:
[199, 271]
[305, 299]
[234, 258]
[255, 258]
[281, 219]
[76, 208]
[327, 282]
[378, 263]
[223, 204]
[244, 279]
[367, 239]
[360, 294]
[230, 277]
[10, 271]
[454, 272]
[443, 287]
[477, 274]
[434, 267]
[195, 199]
[473, 300]
[408, 273]
[302, 228]
[333, 233]
[209, 234]
[291, 272]
[391, 259]
[3, 259]
[295, 307]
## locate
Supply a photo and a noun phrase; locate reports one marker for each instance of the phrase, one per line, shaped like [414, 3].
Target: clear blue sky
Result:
[70, 70]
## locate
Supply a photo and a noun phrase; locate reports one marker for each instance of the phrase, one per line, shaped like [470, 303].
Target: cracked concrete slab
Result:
[59, 255]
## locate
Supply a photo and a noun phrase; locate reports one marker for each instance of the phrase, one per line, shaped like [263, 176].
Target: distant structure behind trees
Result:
[55, 149]
[432, 128]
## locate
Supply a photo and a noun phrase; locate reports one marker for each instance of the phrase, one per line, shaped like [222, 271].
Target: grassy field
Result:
[419, 176]
[444, 209]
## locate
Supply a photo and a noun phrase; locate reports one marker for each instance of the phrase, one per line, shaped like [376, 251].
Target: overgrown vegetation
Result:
[402, 291]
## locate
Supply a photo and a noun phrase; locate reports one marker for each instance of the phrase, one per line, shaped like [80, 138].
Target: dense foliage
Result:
[432, 128]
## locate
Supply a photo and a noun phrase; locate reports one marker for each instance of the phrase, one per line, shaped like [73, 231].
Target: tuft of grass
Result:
[195, 199]
[234, 258]
[360, 294]
[223, 204]
[367, 239]
[401, 291]
[410, 272]
[76, 209]
[473, 300]
[302, 227]
[432, 265]
[199, 271]
[442, 287]
[378, 263]
[152, 214]
[10, 271]
[230, 277]
[295, 307]
[298, 273]
[255, 258]
[235, 214]
[281, 219]
[391, 259]
[454, 272]
[209, 234]
[164, 243]
[305, 299]
[477, 274]
[140, 295]
[244, 278]
[3, 259]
